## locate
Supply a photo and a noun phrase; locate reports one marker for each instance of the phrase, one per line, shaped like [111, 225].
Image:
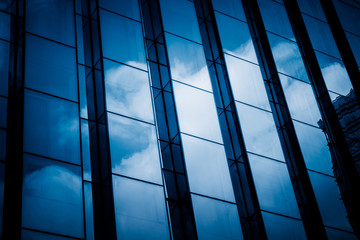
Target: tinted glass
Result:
[50, 67]
[199, 119]
[187, 62]
[5, 5]
[207, 168]
[129, 8]
[82, 92]
[51, 19]
[128, 91]
[216, 220]
[273, 186]
[31, 235]
[337, 234]
[259, 132]
[179, 17]
[247, 83]
[282, 228]
[348, 15]
[5, 25]
[52, 197]
[140, 210]
[235, 37]
[230, 7]
[2, 144]
[51, 127]
[3, 111]
[312, 8]
[122, 39]
[354, 42]
[89, 214]
[85, 150]
[4, 67]
[2, 175]
[134, 150]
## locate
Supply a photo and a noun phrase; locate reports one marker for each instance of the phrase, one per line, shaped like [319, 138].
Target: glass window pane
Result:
[50, 67]
[230, 7]
[235, 37]
[207, 168]
[31, 235]
[2, 144]
[134, 150]
[51, 127]
[5, 5]
[2, 176]
[4, 67]
[129, 8]
[273, 186]
[51, 19]
[278, 227]
[328, 197]
[85, 150]
[348, 15]
[247, 83]
[301, 100]
[337, 234]
[312, 8]
[179, 17]
[122, 40]
[259, 132]
[54, 190]
[216, 220]
[128, 91]
[187, 62]
[82, 92]
[198, 119]
[89, 214]
[287, 57]
[5, 25]
[334, 73]
[140, 210]
[354, 42]
[3, 111]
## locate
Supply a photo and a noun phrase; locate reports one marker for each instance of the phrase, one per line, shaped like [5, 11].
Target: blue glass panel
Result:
[51, 19]
[50, 67]
[247, 83]
[3, 111]
[320, 36]
[354, 42]
[301, 100]
[259, 132]
[207, 168]
[128, 91]
[4, 67]
[235, 37]
[2, 144]
[198, 119]
[337, 234]
[89, 214]
[51, 127]
[349, 15]
[31, 235]
[334, 73]
[328, 197]
[52, 197]
[216, 220]
[179, 17]
[187, 62]
[122, 40]
[230, 7]
[282, 228]
[287, 57]
[5, 25]
[129, 8]
[85, 148]
[275, 18]
[140, 210]
[273, 186]
[5, 5]
[312, 8]
[314, 148]
[134, 150]
[82, 92]
[79, 38]
[2, 176]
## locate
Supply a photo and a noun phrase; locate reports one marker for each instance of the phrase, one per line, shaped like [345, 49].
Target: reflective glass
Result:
[82, 92]
[259, 132]
[216, 220]
[2, 144]
[275, 18]
[140, 210]
[52, 197]
[128, 91]
[179, 17]
[282, 228]
[3, 111]
[247, 83]
[301, 100]
[51, 127]
[287, 57]
[230, 7]
[314, 148]
[187, 62]
[122, 40]
[196, 112]
[50, 67]
[85, 150]
[4, 67]
[354, 42]
[273, 186]
[320, 36]
[5, 25]
[51, 19]
[329, 201]
[207, 168]
[89, 214]
[337, 234]
[129, 8]
[334, 73]
[312, 8]
[349, 15]
[2, 176]
[235, 37]
[5, 5]
[31, 235]
[134, 150]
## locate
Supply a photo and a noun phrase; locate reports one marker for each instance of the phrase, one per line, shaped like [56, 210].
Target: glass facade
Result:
[179, 119]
